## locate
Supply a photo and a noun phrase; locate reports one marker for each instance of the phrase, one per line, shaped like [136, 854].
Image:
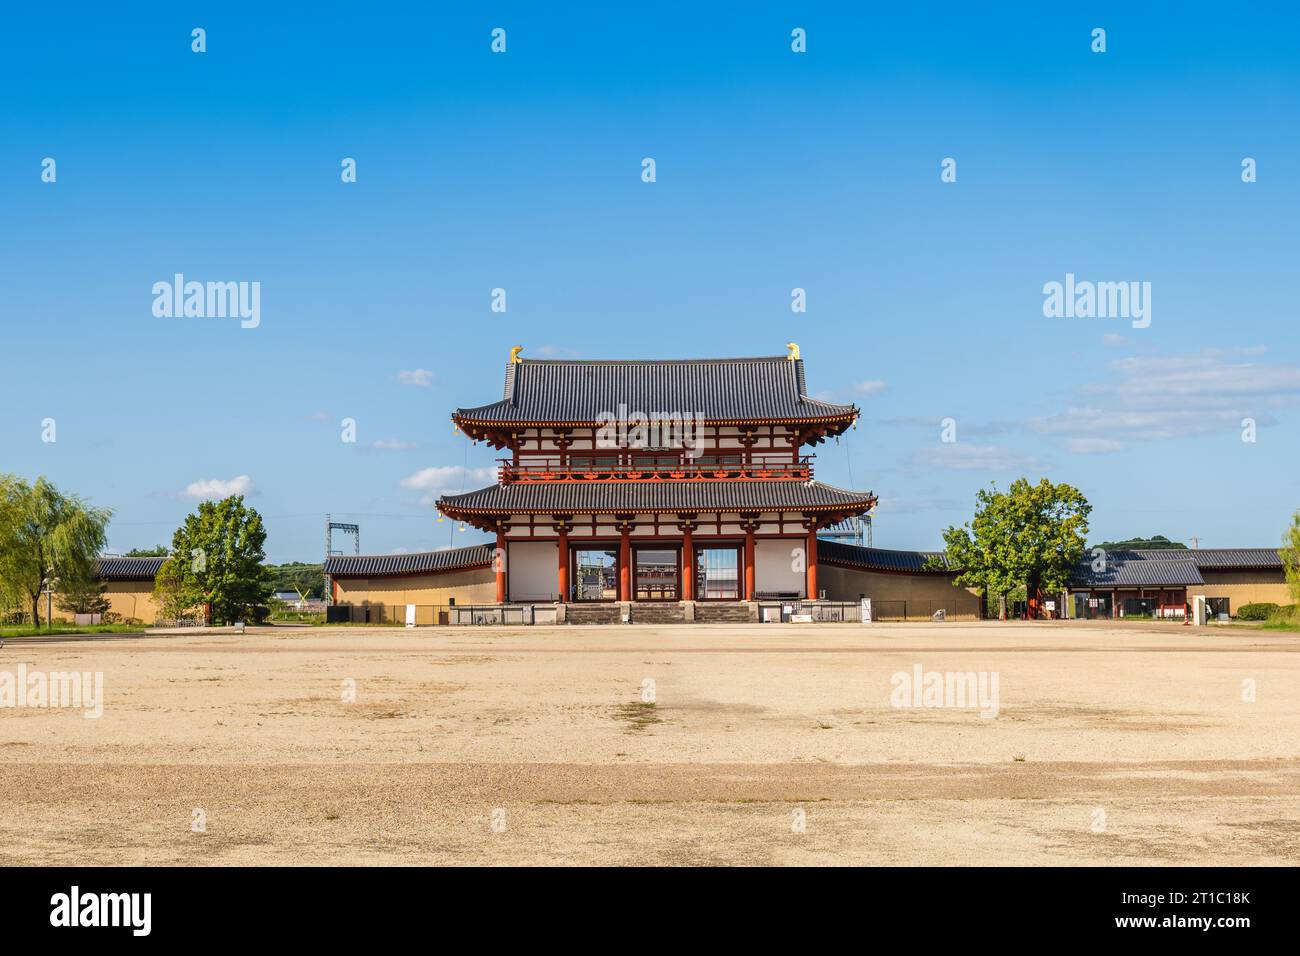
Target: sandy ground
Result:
[764, 745]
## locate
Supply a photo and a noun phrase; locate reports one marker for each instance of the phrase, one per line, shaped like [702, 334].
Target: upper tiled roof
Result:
[1229, 558]
[452, 559]
[579, 392]
[127, 569]
[610, 497]
[879, 559]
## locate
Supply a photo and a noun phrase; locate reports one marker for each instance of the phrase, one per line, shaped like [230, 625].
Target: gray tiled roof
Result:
[879, 559]
[375, 564]
[127, 569]
[741, 389]
[1146, 568]
[606, 497]
[1229, 558]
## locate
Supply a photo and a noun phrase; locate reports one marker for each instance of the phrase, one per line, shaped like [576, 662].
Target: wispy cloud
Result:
[422, 377]
[392, 444]
[1092, 446]
[870, 387]
[1173, 396]
[557, 351]
[213, 489]
[962, 456]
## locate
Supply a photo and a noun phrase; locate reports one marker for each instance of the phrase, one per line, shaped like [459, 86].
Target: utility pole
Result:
[1196, 542]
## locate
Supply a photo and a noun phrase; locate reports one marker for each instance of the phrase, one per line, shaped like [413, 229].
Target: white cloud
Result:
[392, 444]
[870, 387]
[447, 480]
[212, 489]
[415, 376]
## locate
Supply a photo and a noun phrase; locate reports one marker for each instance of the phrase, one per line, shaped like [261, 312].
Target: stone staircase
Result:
[593, 614]
[708, 612]
[668, 612]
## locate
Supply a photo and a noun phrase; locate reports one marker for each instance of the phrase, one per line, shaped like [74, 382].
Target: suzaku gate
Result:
[655, 481]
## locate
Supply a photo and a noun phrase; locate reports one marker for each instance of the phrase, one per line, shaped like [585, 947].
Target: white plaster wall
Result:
[531, 570]
[773, 560]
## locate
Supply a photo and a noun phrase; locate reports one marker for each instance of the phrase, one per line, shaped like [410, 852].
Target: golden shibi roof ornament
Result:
[514, 355]
[794, 351]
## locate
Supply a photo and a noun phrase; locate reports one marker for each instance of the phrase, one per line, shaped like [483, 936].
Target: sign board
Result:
[1050, 605]
[410, 615]
[1093, 602]
[866, 610]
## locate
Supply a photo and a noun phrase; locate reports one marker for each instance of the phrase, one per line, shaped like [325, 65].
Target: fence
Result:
[439, 615]
[917, 611]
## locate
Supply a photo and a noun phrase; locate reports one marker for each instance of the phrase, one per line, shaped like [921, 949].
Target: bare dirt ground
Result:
[1111, 745]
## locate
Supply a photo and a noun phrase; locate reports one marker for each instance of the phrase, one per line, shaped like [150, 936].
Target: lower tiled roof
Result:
[879, 559]
[452, 559]
[127, 569]
[594, 497]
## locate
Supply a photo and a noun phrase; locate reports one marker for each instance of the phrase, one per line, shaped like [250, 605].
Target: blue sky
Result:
[775, 170]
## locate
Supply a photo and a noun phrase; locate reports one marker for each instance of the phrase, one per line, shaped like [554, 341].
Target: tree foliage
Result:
[158, 551]
[1290, 555]
[306, 579]
[1029, 536]
[82, 597]
[216, 562]
[45, 533]
[1156, 542]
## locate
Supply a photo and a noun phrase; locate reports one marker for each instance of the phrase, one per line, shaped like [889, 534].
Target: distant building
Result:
[128, 585]
[1163, 582]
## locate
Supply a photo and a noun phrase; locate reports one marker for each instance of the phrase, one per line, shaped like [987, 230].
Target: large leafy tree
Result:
[216, 561]
[1029, 536]
[46, 535]
[1290, 555]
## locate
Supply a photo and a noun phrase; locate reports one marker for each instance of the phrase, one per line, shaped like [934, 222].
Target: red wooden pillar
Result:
[625, 564]
[499, 564]
[749, 562]
[811, 562]
[688, 564]
[562, 571]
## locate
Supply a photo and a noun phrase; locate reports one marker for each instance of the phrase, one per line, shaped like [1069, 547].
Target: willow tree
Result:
[1030, 536]
[46, 536]
[1290, 555]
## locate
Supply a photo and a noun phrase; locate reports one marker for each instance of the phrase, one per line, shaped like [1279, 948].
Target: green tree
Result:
[82, 597]
[174, 601]
[1290, 555]
[46, 535]
[216, 561]
[307, 579]
[1030, 536]
[158, 551]
[1156, 542]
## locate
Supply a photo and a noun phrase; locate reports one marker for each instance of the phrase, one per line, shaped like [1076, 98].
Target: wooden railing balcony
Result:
[509, 472]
